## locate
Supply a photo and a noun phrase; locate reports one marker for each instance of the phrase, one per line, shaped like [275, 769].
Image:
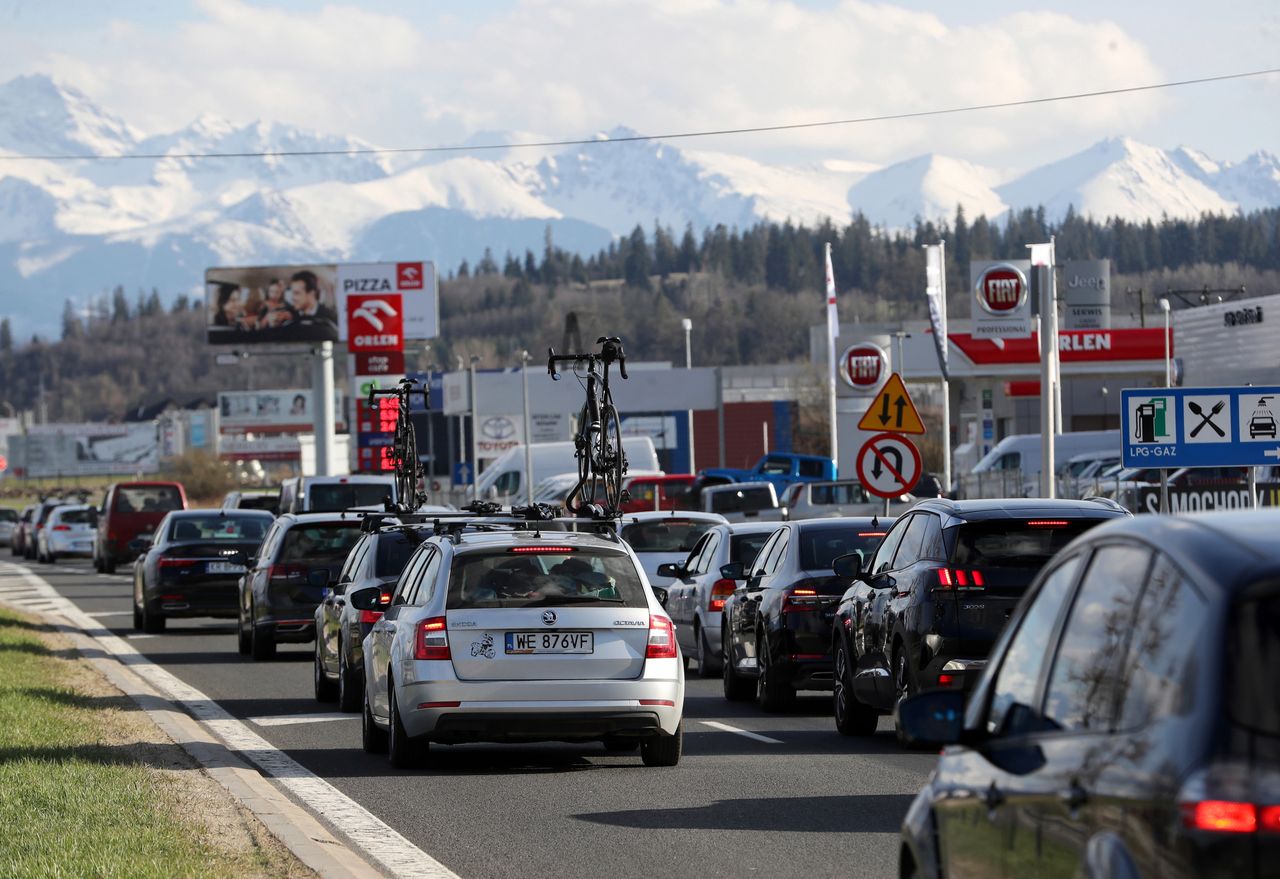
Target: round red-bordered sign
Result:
[1001, 289]
[864, 366]
[888, 465]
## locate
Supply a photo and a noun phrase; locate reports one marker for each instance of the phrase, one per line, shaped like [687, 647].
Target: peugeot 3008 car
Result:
[521, 636]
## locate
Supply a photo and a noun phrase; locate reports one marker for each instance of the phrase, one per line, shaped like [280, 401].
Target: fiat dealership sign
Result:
[864, 366]
[1002, 299]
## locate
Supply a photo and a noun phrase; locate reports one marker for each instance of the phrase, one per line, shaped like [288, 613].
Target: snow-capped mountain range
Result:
[74, 228]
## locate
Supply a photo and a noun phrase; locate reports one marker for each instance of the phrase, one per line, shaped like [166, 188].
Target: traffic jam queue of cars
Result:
[1102, 687]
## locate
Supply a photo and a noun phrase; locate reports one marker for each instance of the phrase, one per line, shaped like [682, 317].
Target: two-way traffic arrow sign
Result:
[891, 410]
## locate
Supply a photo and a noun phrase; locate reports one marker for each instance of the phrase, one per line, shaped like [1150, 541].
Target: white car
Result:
[519, 635]
[663, 536]
[696, 596]
[66, 532]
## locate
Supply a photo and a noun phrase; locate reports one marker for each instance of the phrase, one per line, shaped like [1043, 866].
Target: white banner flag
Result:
[833, 315]
[936, 290]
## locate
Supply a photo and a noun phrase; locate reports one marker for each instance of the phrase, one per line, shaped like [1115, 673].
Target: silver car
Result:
[659, 537]
[698, 590]
[523, 635]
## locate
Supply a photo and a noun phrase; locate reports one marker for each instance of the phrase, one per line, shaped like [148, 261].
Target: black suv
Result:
[926, 610]
[1129, 721]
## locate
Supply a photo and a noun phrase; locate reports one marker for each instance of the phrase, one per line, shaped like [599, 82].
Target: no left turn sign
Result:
[888, 465]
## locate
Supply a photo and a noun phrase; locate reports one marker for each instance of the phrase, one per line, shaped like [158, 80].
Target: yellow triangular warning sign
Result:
[891, 410]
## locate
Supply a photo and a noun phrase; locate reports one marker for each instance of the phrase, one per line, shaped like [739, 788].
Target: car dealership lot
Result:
[781, 795]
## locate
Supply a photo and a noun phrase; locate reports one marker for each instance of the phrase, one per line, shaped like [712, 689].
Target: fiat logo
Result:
[548, 617]
[1001, 289]
[863, 366]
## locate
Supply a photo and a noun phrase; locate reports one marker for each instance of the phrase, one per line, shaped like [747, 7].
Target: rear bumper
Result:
[570, 725]
[288, 631]
[808, 674]
[951, 672]
[71, 545]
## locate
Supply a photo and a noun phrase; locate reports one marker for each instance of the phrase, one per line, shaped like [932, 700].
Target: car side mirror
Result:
[670, 569]
[139, 545]
[340, 588]
[734, 571]
[93, 517]
[932, 719]
[661, 595]
[318, 577]
[848, 566]
[366, 599]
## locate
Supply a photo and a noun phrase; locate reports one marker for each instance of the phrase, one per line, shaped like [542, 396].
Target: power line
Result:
[719, 132]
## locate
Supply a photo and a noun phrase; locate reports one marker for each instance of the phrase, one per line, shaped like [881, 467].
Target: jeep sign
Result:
[1002, 299]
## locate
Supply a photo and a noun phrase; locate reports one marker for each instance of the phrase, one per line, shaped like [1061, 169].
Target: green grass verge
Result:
[75, 797]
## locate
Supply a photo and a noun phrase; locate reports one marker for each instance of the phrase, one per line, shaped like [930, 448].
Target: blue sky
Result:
[399, 72]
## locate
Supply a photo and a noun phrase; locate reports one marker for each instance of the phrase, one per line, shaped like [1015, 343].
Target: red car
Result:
[656, 492]
[131, 510]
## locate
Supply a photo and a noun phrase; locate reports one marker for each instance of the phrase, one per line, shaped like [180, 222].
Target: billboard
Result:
[86, 449]
[308, 303]
[241, 410]
[1086, 293]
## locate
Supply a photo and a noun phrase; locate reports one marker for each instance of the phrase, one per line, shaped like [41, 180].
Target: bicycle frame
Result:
[404, 452]
[600, 456]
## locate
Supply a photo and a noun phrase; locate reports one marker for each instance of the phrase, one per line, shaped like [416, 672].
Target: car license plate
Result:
[550, 642]
[224, 568]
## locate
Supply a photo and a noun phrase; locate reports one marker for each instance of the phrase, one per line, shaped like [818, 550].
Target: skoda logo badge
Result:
[548, 617]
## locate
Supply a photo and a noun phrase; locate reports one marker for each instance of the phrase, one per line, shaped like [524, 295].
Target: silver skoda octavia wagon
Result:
[512, 635]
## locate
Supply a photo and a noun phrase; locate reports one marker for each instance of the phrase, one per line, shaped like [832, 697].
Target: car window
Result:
[344, 496]
[217, 527]
[1253, 654]
[821, 546]
[1008, 461]
[409, 576]
[840, 493]
[665, 535]
[1015, 543]
[758, 563]
[420, 588]
[1088, 672]
[812, 469]
[710, 543]
[776, 466]
[742, 500]
[353, 559]
[932, 546]
[319, 543]
[778, 553]
[1166, 636]
[884, 555]
[507, 483]
[745, 547]
[8, 515]
[73, 516]
[551, 577]
[394, 551]
[147, 499]
[696, 557]
[912, 541]
[1013, 695]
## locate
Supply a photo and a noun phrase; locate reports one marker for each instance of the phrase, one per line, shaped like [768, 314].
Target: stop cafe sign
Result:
[864, 366]
[1001, 289]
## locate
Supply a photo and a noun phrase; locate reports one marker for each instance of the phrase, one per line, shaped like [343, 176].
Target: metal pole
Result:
[1046, 392]
[1053, 332]
[832, 330]
[323, 424]
[688, 364]
[1164, 490]
[528, 431]
[475, 428]
[764, 433]
[1168, 383]
[1253, 487]
[946, 385]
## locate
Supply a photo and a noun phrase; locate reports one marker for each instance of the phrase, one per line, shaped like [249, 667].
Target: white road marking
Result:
[135, 637]
[291, 719]
[724, 727]
[365, 830]
[108, 613]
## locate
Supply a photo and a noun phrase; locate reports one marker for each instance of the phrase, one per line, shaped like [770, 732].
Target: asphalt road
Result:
[812, 804]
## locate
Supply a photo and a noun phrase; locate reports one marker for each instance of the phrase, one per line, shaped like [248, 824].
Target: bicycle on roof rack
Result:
[598, 441]
[404, 444]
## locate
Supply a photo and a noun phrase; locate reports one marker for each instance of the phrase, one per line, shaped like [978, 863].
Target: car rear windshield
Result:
[1015, 543]
[745, 547]
[75, 517]
[393, 554]
[741, 501]
[1253, 654]
[552, 578]
[8, 515]
[257, 502]
[336, 498]
[325, 542]
[668, 535]
[147, 499]
[819, 547]
[235, 528]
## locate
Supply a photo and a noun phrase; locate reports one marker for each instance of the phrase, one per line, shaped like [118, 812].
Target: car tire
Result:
[372, 739]
[620, 744]
[244, 641]
[853, 717]
[350, 684]
[772, 694]
[706, 667]
[405, 753]
[262, 645]
[903, 688]
[152, 623]
[736, 687]
[325, 689]
[662, 750]
[51, 558]
[137, 618]
[108, 565]
[97, 562]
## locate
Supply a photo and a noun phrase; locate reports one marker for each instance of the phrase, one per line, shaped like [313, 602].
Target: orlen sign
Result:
[414, 282]
[864, 366]
[1001, 296]
[375, 322]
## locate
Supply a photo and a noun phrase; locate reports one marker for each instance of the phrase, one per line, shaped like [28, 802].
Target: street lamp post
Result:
[475, 430]
[528, 433]
[687, 324]
[1168, 383]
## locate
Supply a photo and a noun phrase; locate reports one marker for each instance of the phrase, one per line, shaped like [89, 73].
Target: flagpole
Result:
[946, 385]
[833, 330]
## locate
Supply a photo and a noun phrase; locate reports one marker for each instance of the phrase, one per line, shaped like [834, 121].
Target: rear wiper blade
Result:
[570, 599]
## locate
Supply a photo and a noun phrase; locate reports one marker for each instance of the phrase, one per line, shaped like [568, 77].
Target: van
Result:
[333, 494]
[130, 510]
[504, 477]
[1021, 453]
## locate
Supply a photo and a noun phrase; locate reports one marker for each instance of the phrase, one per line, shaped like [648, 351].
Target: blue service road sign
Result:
[1200, 427]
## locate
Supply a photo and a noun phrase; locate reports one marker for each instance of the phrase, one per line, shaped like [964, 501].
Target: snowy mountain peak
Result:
[39, 116]
[928, 187]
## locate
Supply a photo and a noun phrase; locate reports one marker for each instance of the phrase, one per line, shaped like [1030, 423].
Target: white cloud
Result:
[571, 67]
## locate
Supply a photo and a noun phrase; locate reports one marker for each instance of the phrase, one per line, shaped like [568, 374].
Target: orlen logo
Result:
[409, 276]
[375, 323]
[864, 366]
[1001, 289]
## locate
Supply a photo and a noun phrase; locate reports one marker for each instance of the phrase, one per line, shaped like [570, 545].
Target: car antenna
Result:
[875, 522]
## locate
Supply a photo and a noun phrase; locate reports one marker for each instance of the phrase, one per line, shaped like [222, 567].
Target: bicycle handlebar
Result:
[406, 388]
[611, 352]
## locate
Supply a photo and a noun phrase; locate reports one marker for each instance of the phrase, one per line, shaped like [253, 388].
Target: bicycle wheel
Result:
[406, 461]
[584, 492]
[611, 463]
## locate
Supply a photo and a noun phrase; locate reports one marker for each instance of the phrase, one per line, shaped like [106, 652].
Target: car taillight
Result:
[370, 616]
[175, 563]
[1269, 818]
[662, 638]
[1047, 523]
[432, 639]
[287, 572]
[720, 592]
[552, 550]
[946, 680]
[801, 600]
[959, 578]
[61, 527]
[1222, 816]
